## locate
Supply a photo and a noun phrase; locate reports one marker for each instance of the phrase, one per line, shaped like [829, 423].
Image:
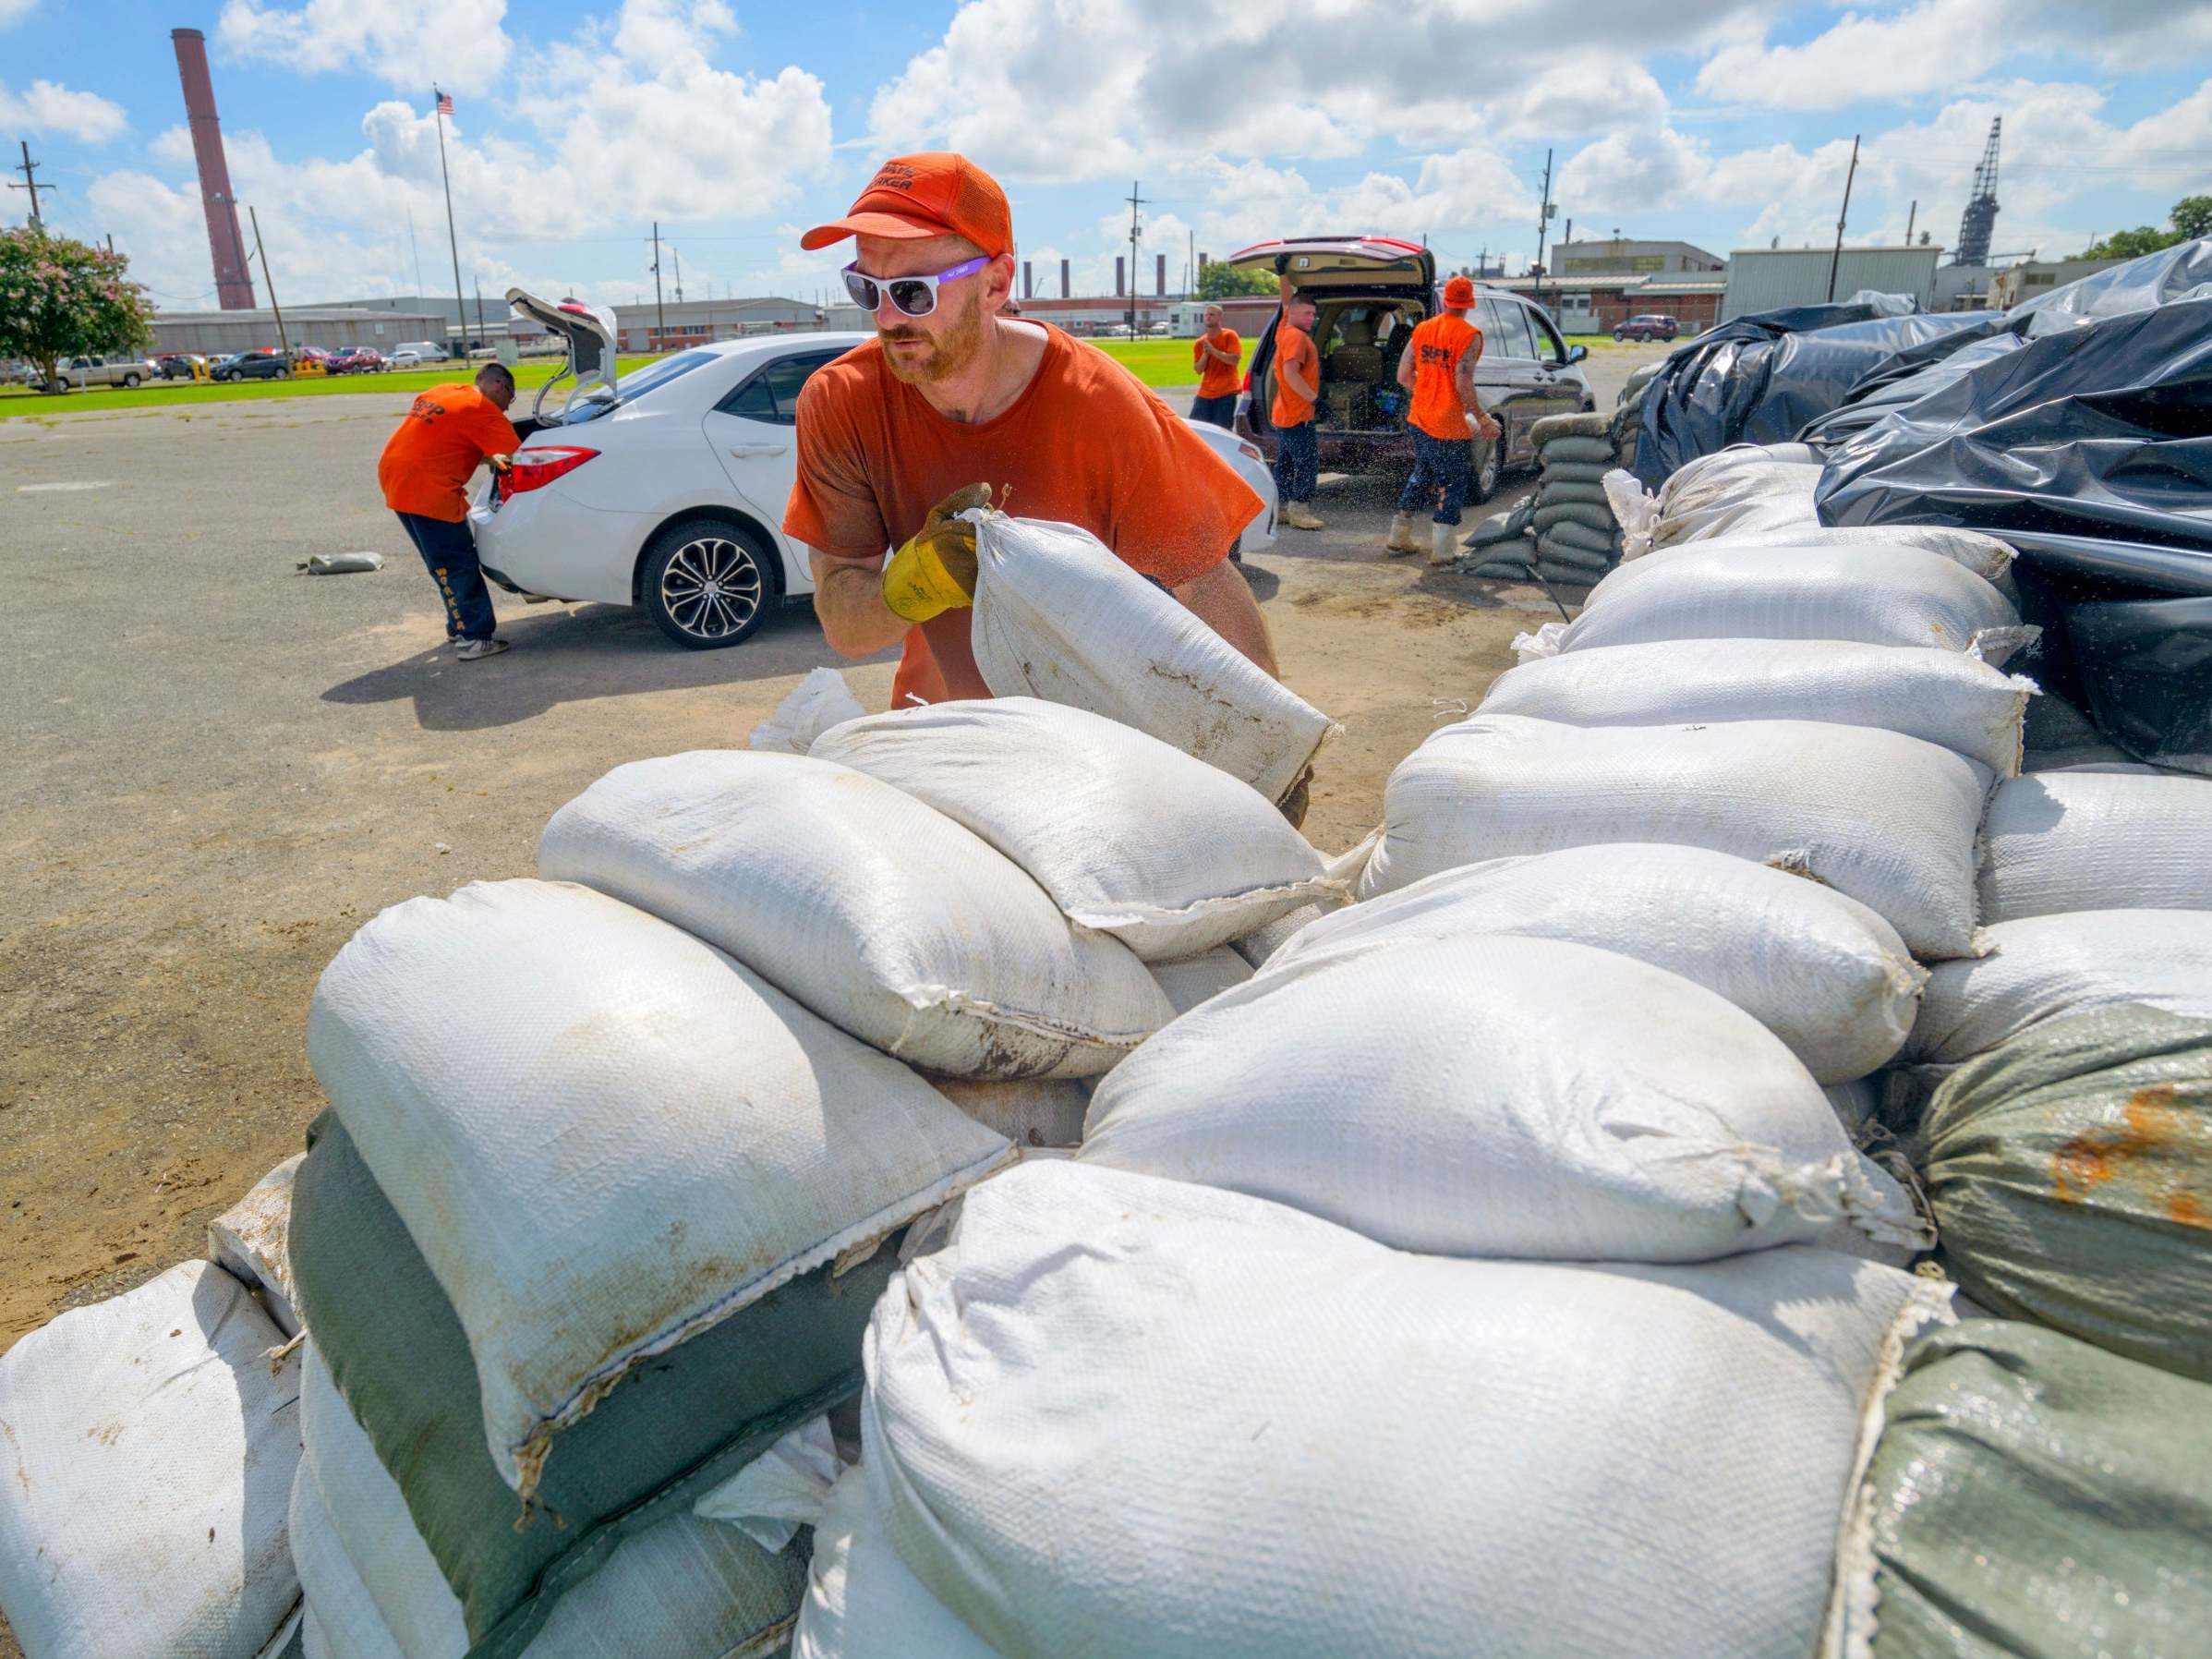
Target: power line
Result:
[31, 182]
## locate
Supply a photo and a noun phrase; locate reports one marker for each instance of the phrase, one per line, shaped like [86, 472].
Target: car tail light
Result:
[535, 468]
[1251, 451]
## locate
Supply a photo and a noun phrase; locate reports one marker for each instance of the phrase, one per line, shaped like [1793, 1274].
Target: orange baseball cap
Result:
[933, 194]
[1459, 292]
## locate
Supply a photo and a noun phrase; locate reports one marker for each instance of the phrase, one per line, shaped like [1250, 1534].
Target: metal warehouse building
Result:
[1767, 279]
[219, 333]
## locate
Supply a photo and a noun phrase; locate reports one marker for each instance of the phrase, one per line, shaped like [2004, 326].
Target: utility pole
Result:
[1837, 258]
[415, 251]
[676, 254]
[1543, 223]
[282, 343]
[1135, 202]
[453, 237]
[1909, 218]
[31, 182]
[482, 339]
[660, 311]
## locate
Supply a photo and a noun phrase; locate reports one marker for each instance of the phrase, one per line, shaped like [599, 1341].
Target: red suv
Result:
[1652, 325]
[356, 360]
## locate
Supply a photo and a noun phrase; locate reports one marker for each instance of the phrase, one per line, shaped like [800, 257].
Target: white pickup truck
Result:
[100, 371]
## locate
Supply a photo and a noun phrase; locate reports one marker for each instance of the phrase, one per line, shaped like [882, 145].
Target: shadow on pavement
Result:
[569, 654]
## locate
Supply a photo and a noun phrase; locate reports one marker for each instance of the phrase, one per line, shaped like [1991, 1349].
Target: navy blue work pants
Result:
[1297, 462]
[448, 553]
[1441, 471]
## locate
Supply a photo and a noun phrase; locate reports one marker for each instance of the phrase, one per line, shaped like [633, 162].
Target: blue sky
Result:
[579, 122]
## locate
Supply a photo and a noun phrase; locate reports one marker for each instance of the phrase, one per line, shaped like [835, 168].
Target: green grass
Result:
[173, 394]
[1161, 362]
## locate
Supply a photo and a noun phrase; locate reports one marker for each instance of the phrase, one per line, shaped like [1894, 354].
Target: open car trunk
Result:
[589, 332]
[1368, 293]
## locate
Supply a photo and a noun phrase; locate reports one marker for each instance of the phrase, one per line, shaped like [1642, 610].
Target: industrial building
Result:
[220, 333]
[1622, 256]
[2031, 277]
[1770, 279]
[1598, 305]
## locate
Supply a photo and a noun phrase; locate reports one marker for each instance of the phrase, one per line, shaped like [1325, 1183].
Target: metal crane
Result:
[1980, 219]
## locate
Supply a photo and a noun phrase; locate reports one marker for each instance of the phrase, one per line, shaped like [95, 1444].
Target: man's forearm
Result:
[1223, 600]
[849, 601]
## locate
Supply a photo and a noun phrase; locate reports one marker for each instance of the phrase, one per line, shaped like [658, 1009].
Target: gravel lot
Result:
[222, 768]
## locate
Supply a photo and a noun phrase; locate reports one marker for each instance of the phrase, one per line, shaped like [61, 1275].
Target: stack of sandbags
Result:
[1124, 1415]
[1577, 539]
[1744, 488]
[150, 1445]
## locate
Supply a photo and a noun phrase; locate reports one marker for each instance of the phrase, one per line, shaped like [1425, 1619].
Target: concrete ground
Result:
[222, 768]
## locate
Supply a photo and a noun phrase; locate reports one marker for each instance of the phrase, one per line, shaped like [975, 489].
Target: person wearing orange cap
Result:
[1438, 367]
[893, 437]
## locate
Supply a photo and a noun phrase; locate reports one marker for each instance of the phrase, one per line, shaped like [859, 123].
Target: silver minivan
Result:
[1370, 293]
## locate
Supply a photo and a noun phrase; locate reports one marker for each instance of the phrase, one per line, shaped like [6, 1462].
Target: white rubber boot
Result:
[1401, 535]
[1444, 544]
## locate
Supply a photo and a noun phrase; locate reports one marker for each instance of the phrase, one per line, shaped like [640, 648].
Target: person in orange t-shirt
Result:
[952, 393]
[1296, 373]
[1214, 354]
[448, 431]
[1438, 367]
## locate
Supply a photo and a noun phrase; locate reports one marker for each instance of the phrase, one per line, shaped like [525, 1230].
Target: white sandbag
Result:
[1058, 616]
[1985, 555]
[1126, 1419]
[1875, 595]
[1820, 971]
[819, 702]
[862, 1602]
[606, 1136]
[1948, 697]
[876, 911]
[1883, 818]
[1742, 488]
[1030, 1111]
[2108, 840]
[1188, 982]
[1448, 1095]
[149, 1450]
[248, 1242]
[2047, 967]
[1633, 509]
[685, 1585]
[779, 1492]
[1260, 944]
[1129, 836]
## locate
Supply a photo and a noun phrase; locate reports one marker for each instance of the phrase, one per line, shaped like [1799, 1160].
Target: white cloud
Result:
[1940, 44]
[409, 44]
[44, 107]
[10, 11]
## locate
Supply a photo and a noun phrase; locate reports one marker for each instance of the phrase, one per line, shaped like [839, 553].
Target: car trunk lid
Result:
[587, 332]
[1344, 262]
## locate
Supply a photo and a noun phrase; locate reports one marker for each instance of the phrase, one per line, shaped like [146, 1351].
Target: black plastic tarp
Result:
[1760, 379]
[2090, 450]
[1908, 377]
[2167, 277]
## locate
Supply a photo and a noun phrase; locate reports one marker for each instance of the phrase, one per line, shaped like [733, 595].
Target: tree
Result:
[1217, 281]
[61, 298]
[2192, 218]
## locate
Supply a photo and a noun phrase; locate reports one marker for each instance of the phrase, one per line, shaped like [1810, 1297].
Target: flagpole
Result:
[452, 237]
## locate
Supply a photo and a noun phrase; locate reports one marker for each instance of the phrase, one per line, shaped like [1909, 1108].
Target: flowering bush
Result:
[60, 298]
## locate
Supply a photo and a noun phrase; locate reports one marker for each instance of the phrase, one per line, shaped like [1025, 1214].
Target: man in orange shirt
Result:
[1297, 374]
[952, 393]
[425, 470]
[1214, 355]
[1438, 367]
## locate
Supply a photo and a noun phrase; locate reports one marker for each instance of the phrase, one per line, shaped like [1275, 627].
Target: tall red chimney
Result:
[234, 286]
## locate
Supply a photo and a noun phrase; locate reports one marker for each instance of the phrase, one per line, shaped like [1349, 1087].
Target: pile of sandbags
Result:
[1572, 538]
[1746, 488]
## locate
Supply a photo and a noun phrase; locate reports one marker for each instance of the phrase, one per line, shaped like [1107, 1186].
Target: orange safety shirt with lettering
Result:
[1437, 345]
[427, 462]
[1084, 444]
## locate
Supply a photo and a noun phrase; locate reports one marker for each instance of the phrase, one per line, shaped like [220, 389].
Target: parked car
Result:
[357, 360]
[1371, 293]
[99, 370]
[263, 363]
[176, 365]
[1652, 325]
[667, 494]
[404, 358]
[424, 351]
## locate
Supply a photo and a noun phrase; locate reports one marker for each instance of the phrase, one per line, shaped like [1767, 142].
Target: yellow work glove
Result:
[935, 570]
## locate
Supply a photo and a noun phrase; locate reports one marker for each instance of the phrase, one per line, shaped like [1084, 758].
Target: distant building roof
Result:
[1683, 284]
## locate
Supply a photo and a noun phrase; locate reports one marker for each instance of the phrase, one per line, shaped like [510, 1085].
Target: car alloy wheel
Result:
[711, 589]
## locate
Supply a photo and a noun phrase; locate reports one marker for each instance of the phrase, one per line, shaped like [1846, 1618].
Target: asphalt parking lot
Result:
[222, 768]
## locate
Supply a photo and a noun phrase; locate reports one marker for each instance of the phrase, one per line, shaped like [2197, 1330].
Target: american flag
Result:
[445, 103]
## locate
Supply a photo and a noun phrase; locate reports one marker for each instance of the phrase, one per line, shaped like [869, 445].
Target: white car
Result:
[666, 491]
[404, 358]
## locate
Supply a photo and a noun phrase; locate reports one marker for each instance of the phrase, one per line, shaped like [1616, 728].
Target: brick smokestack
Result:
[1029, 288]
[1159, 274]
[234, 286]
[1120, 275]
[1063, 279]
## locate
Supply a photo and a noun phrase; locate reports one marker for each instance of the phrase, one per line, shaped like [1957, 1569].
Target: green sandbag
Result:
[1568, 426]
[1550, 494]
[1503, 570]
[1598, 520]
[1590, 543]
[1567, 575]
[2032, 1497]
[1575, 472]
[1498, 527]
[668, 1433]
[2071, 1172]
[1553, 551]
[1595, 449]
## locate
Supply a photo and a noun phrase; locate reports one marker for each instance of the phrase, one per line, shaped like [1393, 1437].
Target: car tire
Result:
[709, 584]
[1482, 478]
[130, 383]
